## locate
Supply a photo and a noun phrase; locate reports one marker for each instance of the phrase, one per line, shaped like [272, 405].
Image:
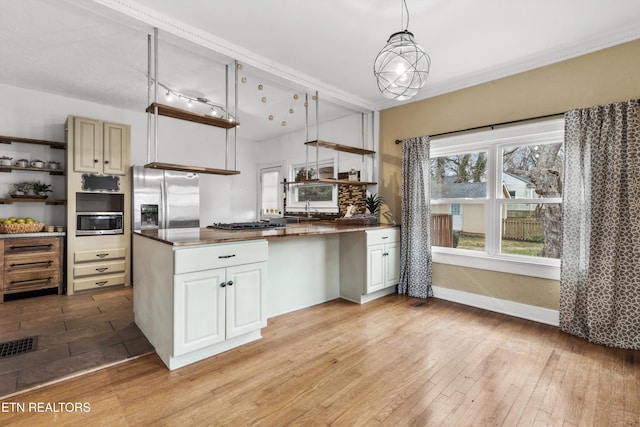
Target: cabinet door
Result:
[116, 149]
[375, 268]
[392, 264]
[199, 310]
[245, 298]
[87, 145]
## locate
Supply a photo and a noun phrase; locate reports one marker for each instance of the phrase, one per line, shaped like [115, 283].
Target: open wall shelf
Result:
[52, 144]
[35, 199]
[195, 169]
[329, 181]
[178, 113]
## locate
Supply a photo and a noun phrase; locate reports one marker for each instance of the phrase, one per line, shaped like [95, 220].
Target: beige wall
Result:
[602, 77]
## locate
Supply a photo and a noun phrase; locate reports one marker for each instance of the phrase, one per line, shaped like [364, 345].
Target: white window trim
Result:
[315, 207]
[497, 139]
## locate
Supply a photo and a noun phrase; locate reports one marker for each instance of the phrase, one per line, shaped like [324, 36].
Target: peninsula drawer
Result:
[24, 262]
[28, 280]
[217, 256]
[102, 254]
[31, 245]
[98, 282]
[92, 269]
[385, 235]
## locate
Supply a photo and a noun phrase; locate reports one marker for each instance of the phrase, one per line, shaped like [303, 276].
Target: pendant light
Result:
[402, 66]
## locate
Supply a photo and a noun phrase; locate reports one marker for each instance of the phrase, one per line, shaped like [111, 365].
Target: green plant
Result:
[537, 238]
[41, 187]
[373, 203]
[23, 186]
[456, 238]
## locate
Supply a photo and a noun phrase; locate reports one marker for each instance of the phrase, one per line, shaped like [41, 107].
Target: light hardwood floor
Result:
[395, 361]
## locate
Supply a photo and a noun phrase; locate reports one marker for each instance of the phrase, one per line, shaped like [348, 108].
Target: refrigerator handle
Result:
[163, 214]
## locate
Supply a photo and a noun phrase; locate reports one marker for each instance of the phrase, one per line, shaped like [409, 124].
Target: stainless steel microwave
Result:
[97, 223]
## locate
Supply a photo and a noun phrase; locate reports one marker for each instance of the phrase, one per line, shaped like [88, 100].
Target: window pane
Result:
[459, 176]
[458, 225]
[532, 229]
[315, 193]
[532, 171]
[270, 202]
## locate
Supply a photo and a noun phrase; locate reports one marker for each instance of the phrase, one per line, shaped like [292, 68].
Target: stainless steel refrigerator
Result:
[164, 199]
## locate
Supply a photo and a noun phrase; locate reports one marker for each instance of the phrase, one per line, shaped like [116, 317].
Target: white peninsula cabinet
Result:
[195, 301]
[369, 264]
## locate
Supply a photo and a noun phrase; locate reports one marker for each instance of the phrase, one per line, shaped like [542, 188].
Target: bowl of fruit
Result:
[19, 225]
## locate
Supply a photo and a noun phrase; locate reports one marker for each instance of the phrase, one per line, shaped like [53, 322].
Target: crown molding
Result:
[233, 51]
[551, 56]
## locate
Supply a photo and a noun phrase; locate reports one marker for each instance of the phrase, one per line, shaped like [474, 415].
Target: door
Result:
[271, 200]
[147, 198]
[199, 310]
[245, 299]
[181, 200]
[87, 145]
[392, 264]
[375, 268]
[115, 149]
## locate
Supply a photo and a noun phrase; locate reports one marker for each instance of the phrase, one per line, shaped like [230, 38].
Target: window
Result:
[318, 197]
[498, 194]
[270, 191]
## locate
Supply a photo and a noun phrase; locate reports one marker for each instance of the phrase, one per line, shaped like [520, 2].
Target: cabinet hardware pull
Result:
[102, 283]
[95, 160]
[385, 254]
[44, 279]
[102, 255]
[223, 284]
[26, 264]
[226, 256]
[102, 269]
[384, 237]
[27, 247]
[106, 162]
[230, 283]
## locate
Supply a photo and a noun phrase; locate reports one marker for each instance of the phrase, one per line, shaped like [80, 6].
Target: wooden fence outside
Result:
[442, 230]
[521, 228]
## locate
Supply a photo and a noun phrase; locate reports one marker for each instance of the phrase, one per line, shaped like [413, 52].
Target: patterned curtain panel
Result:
[415, 232]
[600, 273]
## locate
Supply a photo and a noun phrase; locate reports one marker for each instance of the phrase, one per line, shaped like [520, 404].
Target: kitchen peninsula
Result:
[201, 291]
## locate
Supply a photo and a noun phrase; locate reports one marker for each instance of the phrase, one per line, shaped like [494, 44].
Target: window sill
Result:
[545, 268]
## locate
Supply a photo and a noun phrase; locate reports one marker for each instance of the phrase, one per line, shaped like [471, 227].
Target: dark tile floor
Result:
[74, 333]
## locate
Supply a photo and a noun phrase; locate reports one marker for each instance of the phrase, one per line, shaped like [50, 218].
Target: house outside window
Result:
[502, 189]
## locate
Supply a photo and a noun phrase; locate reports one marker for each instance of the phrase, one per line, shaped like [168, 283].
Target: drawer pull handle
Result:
[30, 247]
[102, 269]
[102, 282]
[29, 281]
[102, 255]
[226, 256]
[384, 237]
[31, 264]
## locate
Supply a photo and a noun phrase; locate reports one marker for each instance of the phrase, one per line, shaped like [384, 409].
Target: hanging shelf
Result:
[340, 147]
[196, 169]
[156, 109]
[178, 113]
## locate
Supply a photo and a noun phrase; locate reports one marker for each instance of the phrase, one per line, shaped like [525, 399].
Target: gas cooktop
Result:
[245, 225]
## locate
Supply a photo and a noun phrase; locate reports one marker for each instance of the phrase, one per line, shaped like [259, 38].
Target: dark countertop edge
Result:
[38, 234]
[246, 235]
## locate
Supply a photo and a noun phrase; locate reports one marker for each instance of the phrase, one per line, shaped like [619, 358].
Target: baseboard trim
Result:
[511, 308]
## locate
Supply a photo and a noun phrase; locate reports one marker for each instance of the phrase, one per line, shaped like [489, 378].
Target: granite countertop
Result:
[39, 234]
[203, 236]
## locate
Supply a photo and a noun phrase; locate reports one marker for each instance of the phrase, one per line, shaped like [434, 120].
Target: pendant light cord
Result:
[404, 8]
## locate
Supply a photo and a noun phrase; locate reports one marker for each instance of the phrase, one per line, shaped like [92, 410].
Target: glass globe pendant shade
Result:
[401, 67]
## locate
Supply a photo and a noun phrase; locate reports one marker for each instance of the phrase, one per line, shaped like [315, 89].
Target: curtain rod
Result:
[399, 141]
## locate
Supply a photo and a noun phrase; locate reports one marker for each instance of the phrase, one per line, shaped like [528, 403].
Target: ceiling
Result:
[97, 49]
